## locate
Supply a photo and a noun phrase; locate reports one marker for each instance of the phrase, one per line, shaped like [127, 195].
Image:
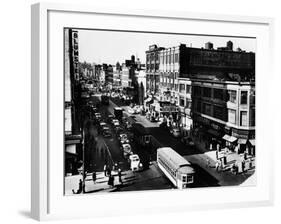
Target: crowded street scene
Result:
[159, 112]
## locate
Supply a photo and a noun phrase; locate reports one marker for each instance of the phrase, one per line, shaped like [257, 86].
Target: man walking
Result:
[120, 175]
[94, 176]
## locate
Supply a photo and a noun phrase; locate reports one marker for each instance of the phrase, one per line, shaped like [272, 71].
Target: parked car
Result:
[98, 116]
[106, 132]
[110, 117]
[176, 132]
[118, 130]
[123, 138]
[115, 122]
[135, 163]
[127, 150]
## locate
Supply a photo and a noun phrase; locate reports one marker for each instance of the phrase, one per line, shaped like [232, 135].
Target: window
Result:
[218, 94]
[243, 118]
[181, 101]
[207, 109]
[207, 92]
[176, 58]
[197, 91]
[198, 106]
[244, 97]
[156, 56]
[188, 103]
[232, 96]
[253, 117]
[188, 89]
[218, 112]
[182, 88]
[232, 116]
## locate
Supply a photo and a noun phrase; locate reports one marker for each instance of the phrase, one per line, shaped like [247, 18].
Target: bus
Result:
[178, 170]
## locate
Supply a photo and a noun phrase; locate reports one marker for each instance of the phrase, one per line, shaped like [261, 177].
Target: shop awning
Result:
[213, 132]
[242, 141]
[253, 142]
[229, 138]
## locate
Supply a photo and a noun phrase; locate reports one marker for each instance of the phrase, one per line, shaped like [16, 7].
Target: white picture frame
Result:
[47, 202]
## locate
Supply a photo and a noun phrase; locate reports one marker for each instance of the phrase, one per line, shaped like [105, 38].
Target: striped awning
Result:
[229, 138]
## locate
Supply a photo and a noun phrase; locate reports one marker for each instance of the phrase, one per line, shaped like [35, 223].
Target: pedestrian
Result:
[108, 171]
[94, 176]
[105, 169]
[120, 176]
[217, 154]
[243, 166]
[112, 181]
[83, 186]
[85, 175]
[79, 189]
[217, 165]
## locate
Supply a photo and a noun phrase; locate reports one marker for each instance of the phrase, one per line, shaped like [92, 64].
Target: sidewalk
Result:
[224, 176]
[101, 185]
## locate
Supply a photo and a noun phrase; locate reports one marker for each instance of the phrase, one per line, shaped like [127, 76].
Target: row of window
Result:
[219, 113]
[221, 94]
[152, 57]
[166, 166]
[183, 88]
[152, 66]
[185, 103]
[164, 58]
[169, 58]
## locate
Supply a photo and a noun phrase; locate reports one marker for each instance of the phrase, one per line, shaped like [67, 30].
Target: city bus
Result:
[178, 170]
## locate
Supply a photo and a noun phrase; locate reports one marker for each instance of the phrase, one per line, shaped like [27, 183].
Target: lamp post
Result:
[83, 155]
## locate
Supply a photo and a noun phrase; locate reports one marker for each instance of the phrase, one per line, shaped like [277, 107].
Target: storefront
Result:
[251, 147]
[242, 142]
[230, 141]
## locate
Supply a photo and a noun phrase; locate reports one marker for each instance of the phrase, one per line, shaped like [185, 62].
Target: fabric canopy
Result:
[253, 142]
[242, 141]
[229, 138]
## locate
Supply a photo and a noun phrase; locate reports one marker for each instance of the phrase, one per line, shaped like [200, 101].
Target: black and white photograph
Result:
[157, 111]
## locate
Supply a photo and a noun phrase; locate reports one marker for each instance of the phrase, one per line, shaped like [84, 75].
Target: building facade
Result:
[72, 130]
[223, 93]
[212, 88]
[152, 69]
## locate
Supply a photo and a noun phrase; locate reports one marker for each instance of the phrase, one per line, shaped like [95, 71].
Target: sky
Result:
[97, 46]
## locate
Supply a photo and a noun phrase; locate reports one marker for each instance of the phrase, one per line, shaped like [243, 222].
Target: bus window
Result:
[189, 179]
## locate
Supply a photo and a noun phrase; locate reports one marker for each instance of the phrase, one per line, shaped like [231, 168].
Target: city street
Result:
[170, 117]
[100, 150]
